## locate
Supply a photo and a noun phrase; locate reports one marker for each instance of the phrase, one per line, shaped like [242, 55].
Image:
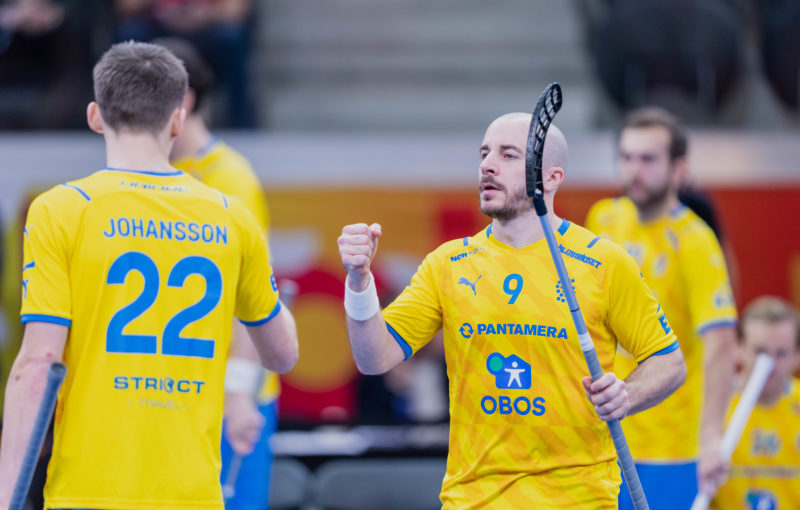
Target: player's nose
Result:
[488, 165]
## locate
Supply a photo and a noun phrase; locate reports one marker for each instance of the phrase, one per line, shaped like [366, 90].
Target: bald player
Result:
[522, 431]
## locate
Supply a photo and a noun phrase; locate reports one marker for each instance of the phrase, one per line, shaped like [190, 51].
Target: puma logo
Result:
[470, 284]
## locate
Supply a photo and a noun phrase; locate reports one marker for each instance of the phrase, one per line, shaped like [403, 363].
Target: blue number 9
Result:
[515, 290]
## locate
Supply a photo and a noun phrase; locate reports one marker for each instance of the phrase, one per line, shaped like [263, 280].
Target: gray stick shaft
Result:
[595, 370]
[55, 376]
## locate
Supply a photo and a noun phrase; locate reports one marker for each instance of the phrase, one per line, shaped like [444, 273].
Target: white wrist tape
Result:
[243, 376]
[361, 305]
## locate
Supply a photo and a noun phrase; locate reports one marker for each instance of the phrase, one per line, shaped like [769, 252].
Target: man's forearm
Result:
[655, 379]
[24, 392]
[718, 347]
[374, 349]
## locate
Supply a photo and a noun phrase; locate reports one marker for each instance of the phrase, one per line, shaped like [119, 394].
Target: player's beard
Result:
[652, 200]
[516, 203]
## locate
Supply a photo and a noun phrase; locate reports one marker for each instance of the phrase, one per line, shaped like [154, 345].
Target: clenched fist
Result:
[357, 246]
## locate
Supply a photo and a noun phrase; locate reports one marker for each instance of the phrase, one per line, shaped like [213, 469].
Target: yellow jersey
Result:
[765, 470]
[222, 168]
[147, 271]
[522, 432]
[682, 262]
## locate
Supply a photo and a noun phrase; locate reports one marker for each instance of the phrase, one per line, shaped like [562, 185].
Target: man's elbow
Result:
[370, 368]
[284, 361]
[678, 371]
[371, 364]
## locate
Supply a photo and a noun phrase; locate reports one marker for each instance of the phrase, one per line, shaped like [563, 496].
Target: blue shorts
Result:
[252, 483]
[666, 486]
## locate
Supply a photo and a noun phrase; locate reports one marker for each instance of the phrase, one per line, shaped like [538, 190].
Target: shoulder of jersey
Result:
[92, 186]
[74, 192]
[687, 223]
[223, 157]
[462, 247]
[583, 239]
[610, 210]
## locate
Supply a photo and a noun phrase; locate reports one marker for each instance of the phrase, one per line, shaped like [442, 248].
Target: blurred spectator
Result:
[219, 29]
[45, 62]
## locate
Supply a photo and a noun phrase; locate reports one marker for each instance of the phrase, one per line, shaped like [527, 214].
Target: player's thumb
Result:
[375, 232]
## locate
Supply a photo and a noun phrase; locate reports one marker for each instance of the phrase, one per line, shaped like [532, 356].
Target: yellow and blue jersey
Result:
[765, 467]
[682, 262]
[146, 270]
[522, 431]
[222, 168]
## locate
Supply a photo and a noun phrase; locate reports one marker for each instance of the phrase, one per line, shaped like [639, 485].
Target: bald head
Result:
[555, 145]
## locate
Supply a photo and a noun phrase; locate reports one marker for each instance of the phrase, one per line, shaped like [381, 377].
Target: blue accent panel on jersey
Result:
[489, 230]
[668, 349]
[266, 319]
[224, 199]
[39, 317]
[116, 340]
[466, 241]
[403, 344]
[145, 172]
[29, 265]
[173, 344]
[594, 241]
[563, 228]
[678, 210]
[72, 186]
[723, 323]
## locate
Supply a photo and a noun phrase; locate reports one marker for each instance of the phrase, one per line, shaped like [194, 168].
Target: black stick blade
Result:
[546, 108]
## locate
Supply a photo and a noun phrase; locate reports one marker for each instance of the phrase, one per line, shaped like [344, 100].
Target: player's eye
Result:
[648, 158]
[484, 154]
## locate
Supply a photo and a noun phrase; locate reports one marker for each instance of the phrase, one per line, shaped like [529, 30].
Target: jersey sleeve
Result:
[416, 315]
[634, 314]
[707, 286]
[257, 292]
[46, 291]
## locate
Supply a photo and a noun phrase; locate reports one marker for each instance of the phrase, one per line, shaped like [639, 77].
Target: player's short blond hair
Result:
[138, 86]
[771, 309]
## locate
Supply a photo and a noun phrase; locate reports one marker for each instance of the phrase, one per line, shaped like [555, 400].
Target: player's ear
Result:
[189, 100]
[176, 122]
[553, 177]
[93, 118]
[680, 171]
